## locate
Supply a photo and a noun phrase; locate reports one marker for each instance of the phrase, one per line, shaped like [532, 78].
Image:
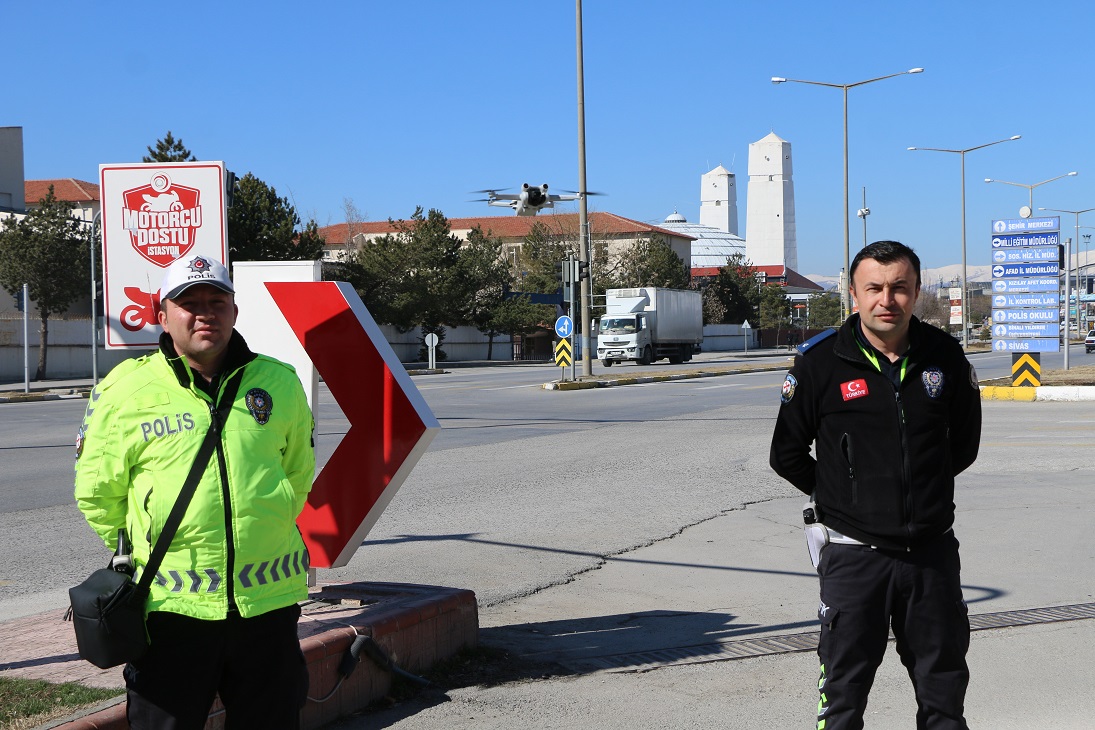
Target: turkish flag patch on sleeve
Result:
[853, 389]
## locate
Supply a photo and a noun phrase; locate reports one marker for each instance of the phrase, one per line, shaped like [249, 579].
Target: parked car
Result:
[1089, 342]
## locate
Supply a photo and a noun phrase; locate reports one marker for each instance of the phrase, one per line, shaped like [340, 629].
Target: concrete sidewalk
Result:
[716, 628]
[415, 625]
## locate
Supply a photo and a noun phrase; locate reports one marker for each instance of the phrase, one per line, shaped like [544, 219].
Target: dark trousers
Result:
[865, 593]
[255, 664]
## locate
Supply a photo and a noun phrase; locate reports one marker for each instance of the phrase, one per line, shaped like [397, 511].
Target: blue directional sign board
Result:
[1027, 225]
[1024, 329]
[1032, 344]
[1026, 315]
[1041, 299]
[1026, 239]
[1006, 271]
[1025, 254]
[564, 326]
[1026, 285]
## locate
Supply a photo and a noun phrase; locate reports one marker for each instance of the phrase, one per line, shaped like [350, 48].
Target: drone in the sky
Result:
[530, 201]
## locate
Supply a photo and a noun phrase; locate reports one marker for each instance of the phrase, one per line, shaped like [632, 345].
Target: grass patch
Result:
[27, 703]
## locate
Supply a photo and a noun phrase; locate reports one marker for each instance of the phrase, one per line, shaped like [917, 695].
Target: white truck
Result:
[646, 324]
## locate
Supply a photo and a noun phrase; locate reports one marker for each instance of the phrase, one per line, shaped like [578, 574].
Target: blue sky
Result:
[395, 105]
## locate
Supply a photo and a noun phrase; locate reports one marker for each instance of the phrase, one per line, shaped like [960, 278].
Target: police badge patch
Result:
[260, 404]
[973, 378]
[789, 385]
[933, 382]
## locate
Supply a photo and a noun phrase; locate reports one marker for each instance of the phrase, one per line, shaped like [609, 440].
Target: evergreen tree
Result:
[264, 227]
[540, 252]
[49, 251]
[774, 310]
[737, 289]
[169, 149]
[653, 262]
[823, 309]
[487, 277]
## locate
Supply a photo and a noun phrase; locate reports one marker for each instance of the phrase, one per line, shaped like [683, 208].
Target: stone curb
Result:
[641, 379]
[30, 397]
[1057, 393]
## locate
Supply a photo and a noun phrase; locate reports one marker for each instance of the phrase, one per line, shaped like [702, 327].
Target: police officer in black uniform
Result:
[893, 410]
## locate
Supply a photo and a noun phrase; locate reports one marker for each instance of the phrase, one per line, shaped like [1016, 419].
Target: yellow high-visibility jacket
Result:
[238, 544]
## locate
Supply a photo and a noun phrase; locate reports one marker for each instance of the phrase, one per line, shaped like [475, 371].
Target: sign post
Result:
[564, 354]
[748, 330]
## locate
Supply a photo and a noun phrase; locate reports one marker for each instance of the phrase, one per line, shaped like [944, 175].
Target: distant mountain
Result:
[929, 277]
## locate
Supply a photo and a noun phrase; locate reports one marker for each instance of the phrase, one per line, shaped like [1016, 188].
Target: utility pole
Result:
[583, 213]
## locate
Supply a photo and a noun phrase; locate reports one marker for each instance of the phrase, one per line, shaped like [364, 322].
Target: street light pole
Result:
[965, 285]
[94, 319]
[583, 214]
[1030, 188]
[1068, 273]
[845, 295]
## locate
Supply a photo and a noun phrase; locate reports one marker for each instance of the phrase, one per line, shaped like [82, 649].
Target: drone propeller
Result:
[588, 192]
[490, 190]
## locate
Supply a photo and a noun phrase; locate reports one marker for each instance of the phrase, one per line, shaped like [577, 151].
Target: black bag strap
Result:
[219, 415]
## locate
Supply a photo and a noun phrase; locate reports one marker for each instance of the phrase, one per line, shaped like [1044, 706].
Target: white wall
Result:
[727, 338]
[69, 353]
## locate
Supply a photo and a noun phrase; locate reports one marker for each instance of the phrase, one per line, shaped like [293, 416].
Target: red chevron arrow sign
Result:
[390, 424]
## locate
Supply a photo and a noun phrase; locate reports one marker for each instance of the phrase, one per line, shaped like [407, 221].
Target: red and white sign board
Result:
[390, 423]
[152, 214]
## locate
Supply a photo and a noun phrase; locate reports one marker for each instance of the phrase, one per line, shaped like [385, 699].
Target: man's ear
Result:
[161, 315]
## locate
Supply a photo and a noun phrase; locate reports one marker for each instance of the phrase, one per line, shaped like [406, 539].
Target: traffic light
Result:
[229, 188]
[583, 270]
[19, 300]
[564, 272]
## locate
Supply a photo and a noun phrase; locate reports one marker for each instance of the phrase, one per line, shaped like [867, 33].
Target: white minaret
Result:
[719, 200]
[770, 213]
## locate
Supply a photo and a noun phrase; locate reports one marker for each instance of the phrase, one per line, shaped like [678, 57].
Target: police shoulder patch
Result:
[260, 404]
[973, 378]
[788, 392]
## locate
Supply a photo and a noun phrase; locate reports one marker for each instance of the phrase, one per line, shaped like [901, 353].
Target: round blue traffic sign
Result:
[564, 326]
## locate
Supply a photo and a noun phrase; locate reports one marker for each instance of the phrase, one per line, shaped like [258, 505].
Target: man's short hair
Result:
[886, 252]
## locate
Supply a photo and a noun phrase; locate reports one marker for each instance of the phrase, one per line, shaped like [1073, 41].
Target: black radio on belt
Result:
[811, 514]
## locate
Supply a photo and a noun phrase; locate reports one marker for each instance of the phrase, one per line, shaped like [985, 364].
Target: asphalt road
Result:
[594, 512]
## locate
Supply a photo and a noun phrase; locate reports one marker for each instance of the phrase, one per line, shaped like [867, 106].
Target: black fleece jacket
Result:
[886, 456]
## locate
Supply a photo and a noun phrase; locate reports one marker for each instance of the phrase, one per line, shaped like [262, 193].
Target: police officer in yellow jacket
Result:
[223, 609]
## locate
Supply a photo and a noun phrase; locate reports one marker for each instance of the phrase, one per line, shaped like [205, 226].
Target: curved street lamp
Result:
[845, 295]
[965, 288]
[1030, 188]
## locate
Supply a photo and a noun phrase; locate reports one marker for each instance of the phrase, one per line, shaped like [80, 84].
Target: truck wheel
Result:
[646, 358]
[677, 357]
[606, 363]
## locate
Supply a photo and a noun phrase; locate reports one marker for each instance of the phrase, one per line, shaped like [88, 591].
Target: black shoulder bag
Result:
[107, 609]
